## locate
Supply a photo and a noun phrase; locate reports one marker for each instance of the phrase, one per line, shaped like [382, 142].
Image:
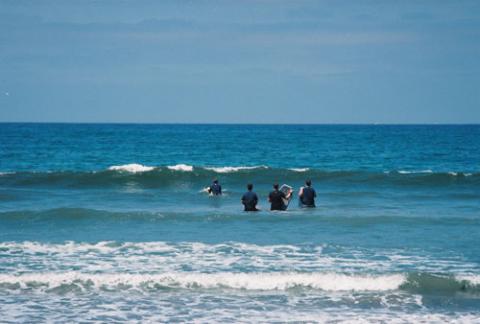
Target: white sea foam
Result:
[244, 281]
[299, 169]
[181, 167]
[111, 247]
[229, 169]
[165, 257]
[214, 307]
[133, 168]
[348, 316]
[471, 278]
[414, 171]
[217, 282]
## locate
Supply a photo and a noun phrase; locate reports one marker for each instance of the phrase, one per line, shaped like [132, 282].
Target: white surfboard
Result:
[286, 189]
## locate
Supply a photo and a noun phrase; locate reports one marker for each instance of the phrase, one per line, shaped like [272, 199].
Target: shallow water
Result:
[111, 223]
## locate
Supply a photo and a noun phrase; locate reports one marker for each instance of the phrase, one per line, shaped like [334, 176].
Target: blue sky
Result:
[240, 61]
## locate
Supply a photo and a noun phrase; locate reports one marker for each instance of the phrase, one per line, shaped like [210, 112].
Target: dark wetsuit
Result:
[307, 199]
[250, 200]
[215, 189]
[276, 200]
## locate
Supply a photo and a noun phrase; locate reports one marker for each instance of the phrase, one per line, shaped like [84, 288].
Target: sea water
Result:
[112, 223]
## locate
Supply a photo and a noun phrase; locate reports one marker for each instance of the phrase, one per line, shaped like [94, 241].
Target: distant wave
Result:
[133, 168]
[412, 171]
[159, 176]
[136, 168]
[299, 169]
[228, 169]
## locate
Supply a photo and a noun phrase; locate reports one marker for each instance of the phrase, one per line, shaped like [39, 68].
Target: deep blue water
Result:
[111, 223]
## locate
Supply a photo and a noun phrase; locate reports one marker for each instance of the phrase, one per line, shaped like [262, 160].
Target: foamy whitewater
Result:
[111, 223]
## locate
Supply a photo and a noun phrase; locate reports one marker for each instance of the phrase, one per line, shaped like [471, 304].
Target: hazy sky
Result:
[240, 61]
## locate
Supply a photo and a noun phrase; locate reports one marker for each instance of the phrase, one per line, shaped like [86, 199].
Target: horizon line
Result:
[238, 124]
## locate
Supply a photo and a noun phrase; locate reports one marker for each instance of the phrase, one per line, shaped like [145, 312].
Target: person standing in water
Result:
[215, 189]
[307, 195]
[250, 199]
[276, 198]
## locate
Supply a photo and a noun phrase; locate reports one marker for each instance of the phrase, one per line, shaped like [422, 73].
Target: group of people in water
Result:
[278, 199]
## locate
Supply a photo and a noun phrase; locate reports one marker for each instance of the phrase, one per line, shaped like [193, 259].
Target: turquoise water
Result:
[111, 223]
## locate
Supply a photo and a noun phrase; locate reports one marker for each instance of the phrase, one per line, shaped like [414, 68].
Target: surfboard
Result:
[286, 189]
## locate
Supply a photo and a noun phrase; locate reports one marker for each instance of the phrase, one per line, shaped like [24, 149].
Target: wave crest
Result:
[225, 280]
[270, 281]
[299, 169]
[133, 168]
[181, 167]
[228, 169]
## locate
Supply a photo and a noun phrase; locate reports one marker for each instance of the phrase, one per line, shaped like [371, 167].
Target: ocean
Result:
[111, 223]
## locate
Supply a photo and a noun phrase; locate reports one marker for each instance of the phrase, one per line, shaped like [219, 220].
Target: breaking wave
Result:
[150, 176]
[77, 281]
[230, 265]
[181, 167]
[228, 280]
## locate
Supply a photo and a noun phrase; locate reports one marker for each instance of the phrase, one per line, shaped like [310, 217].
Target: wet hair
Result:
[308, 182]
[249, 186]
[275, 186]
[215, 181]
